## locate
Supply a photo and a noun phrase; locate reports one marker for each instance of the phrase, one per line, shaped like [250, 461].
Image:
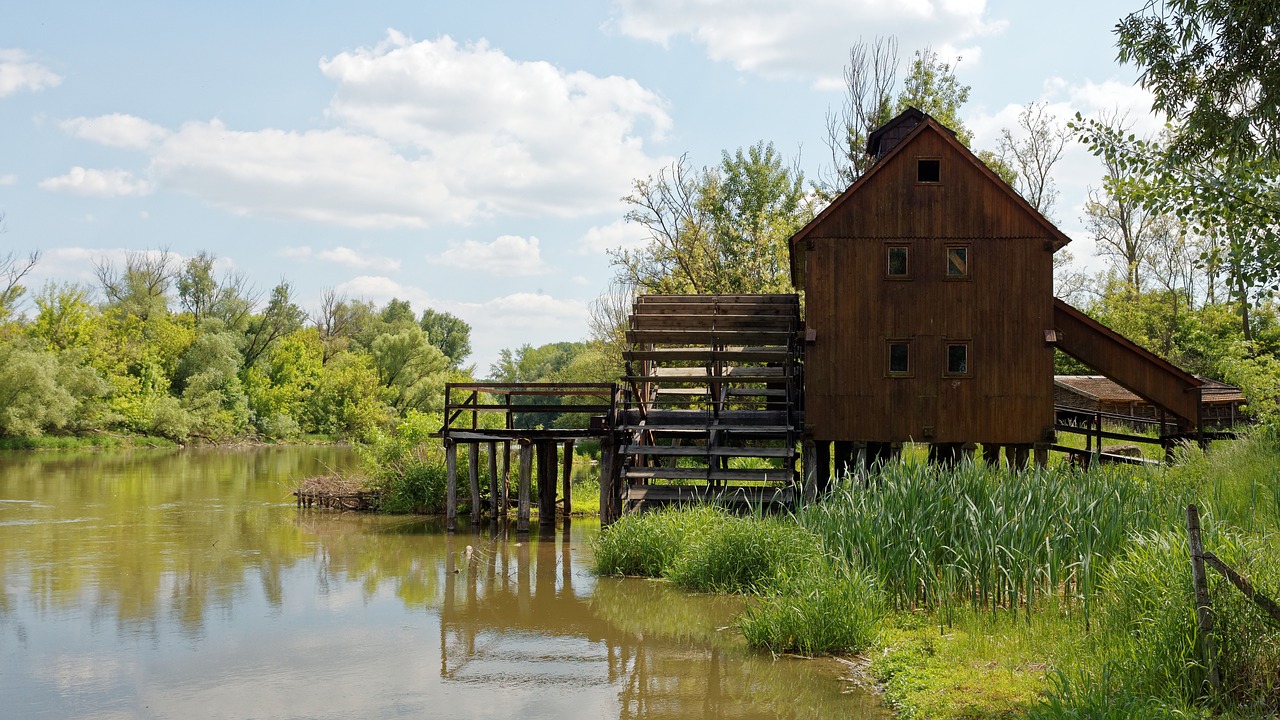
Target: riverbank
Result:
[978, 593]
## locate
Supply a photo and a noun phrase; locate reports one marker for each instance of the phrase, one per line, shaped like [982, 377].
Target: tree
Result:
[721, 230]
[142, 287]
[1033, 154]
[1117, 217]
[279, 318]
[13, 267]
[449, 333]
[412, 369]
[229, 298]
[872, 98]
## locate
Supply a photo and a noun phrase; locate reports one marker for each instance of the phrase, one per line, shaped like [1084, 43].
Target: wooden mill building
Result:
[928, 316]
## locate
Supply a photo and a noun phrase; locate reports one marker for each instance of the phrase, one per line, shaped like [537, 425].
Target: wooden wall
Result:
[1003, 310]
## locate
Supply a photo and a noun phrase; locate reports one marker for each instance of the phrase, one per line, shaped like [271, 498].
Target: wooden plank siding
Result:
[1002, 310]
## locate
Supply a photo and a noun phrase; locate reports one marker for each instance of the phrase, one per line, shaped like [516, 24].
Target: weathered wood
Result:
[505, 489]
[567, 469]
[1264, 603]
[526, 473]
[809, 472]
[473, 473]
[1204, 612]
[608, 487]
[752, 496]
[493, 480]
[451, 484]
[546, 483]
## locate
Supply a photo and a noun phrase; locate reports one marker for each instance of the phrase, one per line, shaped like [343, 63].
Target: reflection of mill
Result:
[513, 618]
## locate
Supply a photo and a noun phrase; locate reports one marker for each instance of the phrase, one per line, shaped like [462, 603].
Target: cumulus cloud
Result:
[507, 255]
[116, 130]
[806, 39]
[98, 183]
[619, 234]
[425, 133]
[295, 252]
[359, 260]
[9, 179]
[19, 72]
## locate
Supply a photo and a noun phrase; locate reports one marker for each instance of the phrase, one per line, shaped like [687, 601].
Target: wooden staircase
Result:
[712, 399]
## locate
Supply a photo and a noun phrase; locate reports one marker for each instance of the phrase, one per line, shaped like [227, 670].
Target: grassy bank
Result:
[979, 593]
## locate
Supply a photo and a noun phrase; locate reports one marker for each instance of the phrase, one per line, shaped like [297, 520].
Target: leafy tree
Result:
[1033, 155]
[278, 386]
[279, 318]
[412, 369]
[721, 230]
[230, 299]
[40, 392]
[349, 400]
[932, 87]
[65, 319]
[449, 333]
[141, 288]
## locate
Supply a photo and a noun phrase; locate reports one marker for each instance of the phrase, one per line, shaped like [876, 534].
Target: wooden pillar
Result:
[493, 480]
[991, 454]
[473, 471]
[451, 484]
[1204, 613]
[567, 470]
[822, 478]
[547, 482]
[606, 481]
[505, 488]
[844, 459]
[1017, 455]
[808, 472]
[1041, 451]
[526, 471]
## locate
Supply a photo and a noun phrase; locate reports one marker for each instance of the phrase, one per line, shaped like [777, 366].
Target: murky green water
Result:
[187, 585]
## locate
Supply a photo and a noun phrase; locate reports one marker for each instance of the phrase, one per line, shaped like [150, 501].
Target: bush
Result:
[408, 465]
[825, 607]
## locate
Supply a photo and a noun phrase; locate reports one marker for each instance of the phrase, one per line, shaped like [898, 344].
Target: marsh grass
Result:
[823, 608]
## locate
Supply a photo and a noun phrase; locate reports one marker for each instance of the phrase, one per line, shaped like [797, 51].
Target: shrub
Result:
[408, 465]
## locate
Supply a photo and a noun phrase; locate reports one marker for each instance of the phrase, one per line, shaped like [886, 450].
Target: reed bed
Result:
[982, 536]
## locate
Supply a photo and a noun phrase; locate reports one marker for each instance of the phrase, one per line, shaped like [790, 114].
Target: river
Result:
[185, 584]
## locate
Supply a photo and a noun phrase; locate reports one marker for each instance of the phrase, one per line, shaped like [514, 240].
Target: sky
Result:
[468, 157]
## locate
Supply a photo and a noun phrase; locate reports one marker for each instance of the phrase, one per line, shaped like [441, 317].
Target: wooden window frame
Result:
[888, 248]
[968, 262]
[889, 344]
[946, 358]
[925, 159]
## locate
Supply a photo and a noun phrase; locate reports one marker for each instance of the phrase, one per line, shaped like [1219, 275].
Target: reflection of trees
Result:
[513, 614]
[146, 534]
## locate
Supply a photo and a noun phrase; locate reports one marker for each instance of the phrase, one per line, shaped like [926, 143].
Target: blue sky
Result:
[469, 157]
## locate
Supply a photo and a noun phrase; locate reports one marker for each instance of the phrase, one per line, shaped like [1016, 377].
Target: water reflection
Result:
[186, 584]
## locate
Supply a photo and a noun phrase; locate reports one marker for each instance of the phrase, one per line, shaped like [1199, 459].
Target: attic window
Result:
[929, 170]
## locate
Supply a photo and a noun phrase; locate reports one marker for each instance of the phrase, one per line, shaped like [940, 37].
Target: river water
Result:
[185, 584]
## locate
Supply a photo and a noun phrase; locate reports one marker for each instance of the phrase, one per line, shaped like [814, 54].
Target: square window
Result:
[958, 262]
[957, 358]
[899, 358]
[929, 171]
[899, 261]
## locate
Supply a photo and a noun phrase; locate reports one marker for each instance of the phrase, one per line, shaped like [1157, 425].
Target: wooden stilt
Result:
[567, 471]
[608, 491]
[526, 472]
[547, 483]
[451, 484]
[1041, 451]
[844, 459]
[493, 480]
[991, 454]
[473, 473]
[822, 476]
[505, 490]
[809, 471]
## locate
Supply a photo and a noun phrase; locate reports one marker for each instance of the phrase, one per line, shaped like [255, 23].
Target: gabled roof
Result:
[925, 124]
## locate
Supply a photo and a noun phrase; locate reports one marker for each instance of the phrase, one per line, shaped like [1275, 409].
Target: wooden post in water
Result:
[608, 491]
[526, 470]
[1204, 613]
[547, 482]
[473, 471]
[567, 472]
[451, 484]
[505, 490]
[493, 480]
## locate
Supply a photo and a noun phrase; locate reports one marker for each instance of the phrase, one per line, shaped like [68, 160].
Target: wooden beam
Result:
[526, 471]
[567, 471]
[473, 472]
[505, 489]
[493, 480]
[451, 484]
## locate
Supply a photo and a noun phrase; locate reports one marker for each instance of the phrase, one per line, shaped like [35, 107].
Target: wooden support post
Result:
[1017, 455]
[526, 471]
[809, 472]
[1041, 451]
[991, 454]
[822, 478]
[451, 484]
[493, 480]
[473, 472]
[547, 483]
[505, 488]
[567, 471]
[608, 483]
[1204, 613]
[844, 459]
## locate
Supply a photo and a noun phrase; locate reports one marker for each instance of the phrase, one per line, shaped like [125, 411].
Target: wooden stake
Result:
[567, 480]
[1204, 613]
[473, 471]
[526, 470]
[607, 489]
[451, 486]
[505, 490]
[493, 480]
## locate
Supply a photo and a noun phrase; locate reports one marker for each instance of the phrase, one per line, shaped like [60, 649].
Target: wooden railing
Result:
[464, 403]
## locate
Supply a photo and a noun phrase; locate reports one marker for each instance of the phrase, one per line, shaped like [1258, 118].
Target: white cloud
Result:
[19, 72]
[618, 234]
[358, 260]
[98, 183]
[116, 130]
[806, 39]
[9, 179]
[507, 255]
[299, 252]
